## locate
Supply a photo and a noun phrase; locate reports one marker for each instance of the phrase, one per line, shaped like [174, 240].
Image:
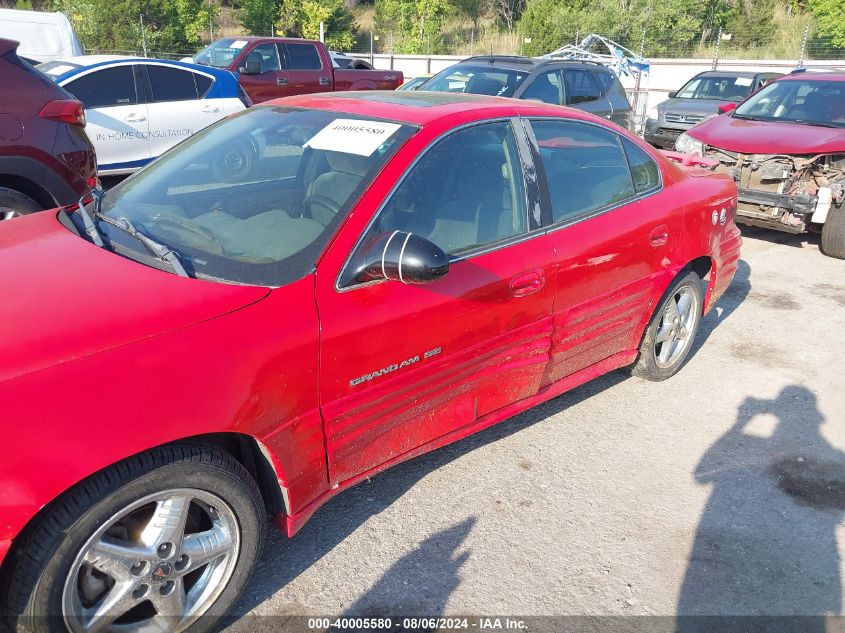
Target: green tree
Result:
[412, 26]
[339, 26]
[258, 16]
[830, 18]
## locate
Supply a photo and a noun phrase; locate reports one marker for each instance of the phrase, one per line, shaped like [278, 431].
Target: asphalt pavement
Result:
[719, 491]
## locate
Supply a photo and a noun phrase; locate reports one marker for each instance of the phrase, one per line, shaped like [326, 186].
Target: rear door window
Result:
[586, 168]
[171, 84]
[644, 170]
[303, 57]
[581, 87]
[105, 88]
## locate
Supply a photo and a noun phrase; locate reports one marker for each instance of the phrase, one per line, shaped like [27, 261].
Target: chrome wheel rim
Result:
[675, 328]
[156, 565]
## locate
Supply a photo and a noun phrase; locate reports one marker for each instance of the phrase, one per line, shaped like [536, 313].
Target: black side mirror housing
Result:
[401, 256]
[672, 94]
[252, 65]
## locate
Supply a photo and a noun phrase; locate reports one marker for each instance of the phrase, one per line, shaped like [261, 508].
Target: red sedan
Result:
[303, 295]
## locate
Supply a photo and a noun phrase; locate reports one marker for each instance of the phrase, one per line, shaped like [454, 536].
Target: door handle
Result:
[134, 118]
[281, 81]
[324, 81]
[527, 283]
[659, 236]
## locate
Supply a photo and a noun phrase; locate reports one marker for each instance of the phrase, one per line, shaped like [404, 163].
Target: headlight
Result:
[688, 145]
[653, 114]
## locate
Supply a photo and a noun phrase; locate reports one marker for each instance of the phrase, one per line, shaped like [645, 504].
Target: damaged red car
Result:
[300, 296]
[785, 148]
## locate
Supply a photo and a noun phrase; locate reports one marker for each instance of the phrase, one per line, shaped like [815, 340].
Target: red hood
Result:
[768, 137]
[64, 298]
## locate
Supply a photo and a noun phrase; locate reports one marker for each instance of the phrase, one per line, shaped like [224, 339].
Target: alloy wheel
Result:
[676, 325]
[156, 565]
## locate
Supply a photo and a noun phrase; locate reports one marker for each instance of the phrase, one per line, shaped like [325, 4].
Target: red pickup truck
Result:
[273, 67]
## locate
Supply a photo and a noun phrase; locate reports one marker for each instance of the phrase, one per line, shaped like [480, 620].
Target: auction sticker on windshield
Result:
[353, 136]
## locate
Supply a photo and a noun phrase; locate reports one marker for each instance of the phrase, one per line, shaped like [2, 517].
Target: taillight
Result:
[93, 182]
[64, 110]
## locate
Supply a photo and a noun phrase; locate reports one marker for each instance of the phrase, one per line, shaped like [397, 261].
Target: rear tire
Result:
[833, 233]
[115, 538]
[671, 332]
[14, 203]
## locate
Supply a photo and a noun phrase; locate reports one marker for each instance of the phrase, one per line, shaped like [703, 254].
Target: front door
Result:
[403, 365]
[614, 229]
[271, 82]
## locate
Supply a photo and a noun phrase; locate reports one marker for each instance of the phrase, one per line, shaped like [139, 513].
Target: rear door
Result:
[117, 117]
[614, 229]
[176, 109]
[306, 71]
[403, 365]
[272, 81]
[583, 91]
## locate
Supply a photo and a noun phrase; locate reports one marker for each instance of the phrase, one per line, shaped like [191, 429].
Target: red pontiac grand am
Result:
[303, 295]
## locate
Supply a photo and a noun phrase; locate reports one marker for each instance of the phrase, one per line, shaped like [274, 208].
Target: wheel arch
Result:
[28, 188]
[252, 454]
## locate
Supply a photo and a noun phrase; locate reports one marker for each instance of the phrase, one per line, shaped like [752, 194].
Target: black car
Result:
[46, 159]
[700, 97]
[587, 86]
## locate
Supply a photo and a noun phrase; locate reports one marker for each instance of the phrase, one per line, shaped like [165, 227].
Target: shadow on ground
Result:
[766, 541]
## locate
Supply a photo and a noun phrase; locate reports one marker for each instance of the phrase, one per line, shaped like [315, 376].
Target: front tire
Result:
[155, 541]
[670, 333]
[833, 233]
[14, 203]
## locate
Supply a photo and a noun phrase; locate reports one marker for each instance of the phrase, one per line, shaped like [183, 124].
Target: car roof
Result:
[821, 74]
[518, 62]
[424, 108]
[735, 73]
[84, 63]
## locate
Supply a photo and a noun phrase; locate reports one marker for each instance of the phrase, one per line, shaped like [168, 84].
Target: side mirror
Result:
[252, 66]
[727, 107]
[401, 256]
[672, 94]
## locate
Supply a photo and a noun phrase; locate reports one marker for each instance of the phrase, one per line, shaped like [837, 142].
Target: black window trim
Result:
[138, 92]
[553, 226]
[525, 161]
[149, 84]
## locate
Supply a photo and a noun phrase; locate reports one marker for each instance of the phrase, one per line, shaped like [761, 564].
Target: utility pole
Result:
[143, 35]
[716, 52]
[372, 56]
[803, 45]
[322, 32]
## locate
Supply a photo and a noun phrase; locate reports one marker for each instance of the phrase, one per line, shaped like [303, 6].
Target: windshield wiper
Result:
[745, 117]
[90, 227]
[159, 250]
[806, 122]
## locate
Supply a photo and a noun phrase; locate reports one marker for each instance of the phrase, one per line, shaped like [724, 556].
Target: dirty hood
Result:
[63, 298]
[768, 137]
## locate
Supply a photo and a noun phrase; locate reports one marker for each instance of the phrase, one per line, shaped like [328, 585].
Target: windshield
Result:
[814, 102]
[478, 80]
[255, 198]
[718, 88]
[221, 53]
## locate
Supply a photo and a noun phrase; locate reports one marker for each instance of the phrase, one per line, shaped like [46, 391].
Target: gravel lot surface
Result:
[720, 491]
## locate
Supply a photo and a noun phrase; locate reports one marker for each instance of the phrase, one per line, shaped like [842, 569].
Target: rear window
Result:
[304, 57]
[479, 80]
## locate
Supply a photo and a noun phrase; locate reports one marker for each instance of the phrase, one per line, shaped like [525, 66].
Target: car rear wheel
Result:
[13, 203]
[833, 233]
[153, 543]
[670, 334]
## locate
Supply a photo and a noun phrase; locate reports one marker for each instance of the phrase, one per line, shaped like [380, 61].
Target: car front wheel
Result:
[153, 543]
[14, 203]
[670, 334]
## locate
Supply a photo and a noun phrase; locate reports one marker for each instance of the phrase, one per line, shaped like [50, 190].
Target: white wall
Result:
[664, 76]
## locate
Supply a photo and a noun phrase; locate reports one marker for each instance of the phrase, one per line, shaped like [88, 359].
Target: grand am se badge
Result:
[395, 366]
